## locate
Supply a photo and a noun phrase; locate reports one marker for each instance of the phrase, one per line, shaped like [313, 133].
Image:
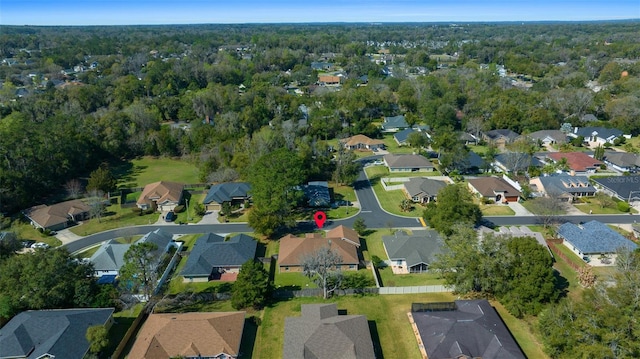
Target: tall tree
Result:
[139, 269]
[323, 267]
[454, 205]
[98, 338]
[273, 179]
[251, 288]
[101, 179]
[44, 279]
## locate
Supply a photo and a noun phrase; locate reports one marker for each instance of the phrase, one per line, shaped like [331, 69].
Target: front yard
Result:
[496, 210]
[114, 217]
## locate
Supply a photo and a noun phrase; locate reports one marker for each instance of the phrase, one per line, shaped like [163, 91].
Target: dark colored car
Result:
[170, 217]
[28, 243]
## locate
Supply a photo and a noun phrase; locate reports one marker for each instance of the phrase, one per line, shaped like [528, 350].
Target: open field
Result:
[145, 170]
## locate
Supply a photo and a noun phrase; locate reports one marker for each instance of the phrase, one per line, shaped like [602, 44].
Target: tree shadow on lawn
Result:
[562, 284]
[126, 173]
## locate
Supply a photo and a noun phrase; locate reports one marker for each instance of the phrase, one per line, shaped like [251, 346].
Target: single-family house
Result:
[512, 162]
[329, 80]
[463, 329]
[471, 164]
[163, 196]
[52, 333]
[321, 66]
[59, 215]
[362, 142]
[317, 194]
[593, 241]
[626, 188]
[408, 163]
[467, 139]
[230, 192]
[109, 258]
[401, 136]
[412, 253]
[322, 333]
[548, 137]
[622, 161]
[214, 258]
[599, 135]
[293, 250]
[579, 163]
[495, 189]
[500, 137]
[190, 335]
[423, 190]
[562, 186]
[394, 124]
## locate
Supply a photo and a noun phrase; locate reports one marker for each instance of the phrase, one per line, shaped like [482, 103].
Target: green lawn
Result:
[390, 200]
[373, 244]
[391, 145]
[496, 210]
[382, 171]
[597, 209]
[408, 280]
[392, 331]
[522, 330]
[24, 230]
[343, 193]
[114, 217]
[190, 215]
[145, 170]
[122, 322]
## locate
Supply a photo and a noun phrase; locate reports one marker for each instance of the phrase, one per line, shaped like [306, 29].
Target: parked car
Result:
[171, 216]
[39, 245]
[28, 243]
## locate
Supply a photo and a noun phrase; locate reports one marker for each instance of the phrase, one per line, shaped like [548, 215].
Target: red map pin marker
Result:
[320, 217]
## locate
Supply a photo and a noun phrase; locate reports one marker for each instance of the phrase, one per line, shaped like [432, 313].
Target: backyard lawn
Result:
[389, 200]
[373, 245]
[387, 316]
[408, 280]
[145, 170]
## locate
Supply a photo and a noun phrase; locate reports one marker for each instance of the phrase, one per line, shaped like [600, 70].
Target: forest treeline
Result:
[73, 98]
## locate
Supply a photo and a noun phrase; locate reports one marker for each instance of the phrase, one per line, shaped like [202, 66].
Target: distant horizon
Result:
[245, 12]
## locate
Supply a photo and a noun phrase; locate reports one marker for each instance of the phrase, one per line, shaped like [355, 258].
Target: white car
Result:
[39, 245]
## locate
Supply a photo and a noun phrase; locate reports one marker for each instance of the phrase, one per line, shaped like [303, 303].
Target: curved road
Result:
[370, 210]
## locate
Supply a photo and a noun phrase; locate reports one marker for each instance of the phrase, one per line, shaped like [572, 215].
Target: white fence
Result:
[415, 289]
[386, 180]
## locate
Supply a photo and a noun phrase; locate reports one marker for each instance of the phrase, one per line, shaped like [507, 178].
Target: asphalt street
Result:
[374, 217]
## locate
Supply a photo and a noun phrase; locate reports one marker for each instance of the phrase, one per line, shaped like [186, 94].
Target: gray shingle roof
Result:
[622, 159]
[110, 256]
[594, 237]
[407, 161]
[395, 122]
[225, 192]
[211, 251]
[428, 186]
[601, 132]
[317, 193]
[622, 186]
[402, 136]
[516, 161]
[505, 132]
[555, 135]
[563, 183]
[59, 332]
[473, 329]
[421, 247]
[321, 333]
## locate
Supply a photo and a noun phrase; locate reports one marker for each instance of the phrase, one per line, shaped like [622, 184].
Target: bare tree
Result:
[95, 200]
[475, 126]
[73, 188]
[547, 208]
[323, 267]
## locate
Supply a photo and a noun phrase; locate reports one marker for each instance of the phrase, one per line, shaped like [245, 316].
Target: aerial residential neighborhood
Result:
[379, 190]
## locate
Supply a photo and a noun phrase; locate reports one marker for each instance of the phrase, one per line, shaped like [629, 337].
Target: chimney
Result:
[575, 130]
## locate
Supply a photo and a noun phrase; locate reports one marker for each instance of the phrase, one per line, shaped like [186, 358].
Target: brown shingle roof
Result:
[578, 161]
[48, 216]
[293, 249]
[361, 139]
[205, 334]
[345, 233]
[488, 186]
[161, 192]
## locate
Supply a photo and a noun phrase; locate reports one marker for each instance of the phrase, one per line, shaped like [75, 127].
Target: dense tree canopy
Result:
[454, 205]
[251, 288]
[603, 323]
[517, 271]
[273, 179]
[46, 279]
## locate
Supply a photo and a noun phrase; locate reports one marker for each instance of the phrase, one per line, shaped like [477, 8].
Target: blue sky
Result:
[121, 12]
